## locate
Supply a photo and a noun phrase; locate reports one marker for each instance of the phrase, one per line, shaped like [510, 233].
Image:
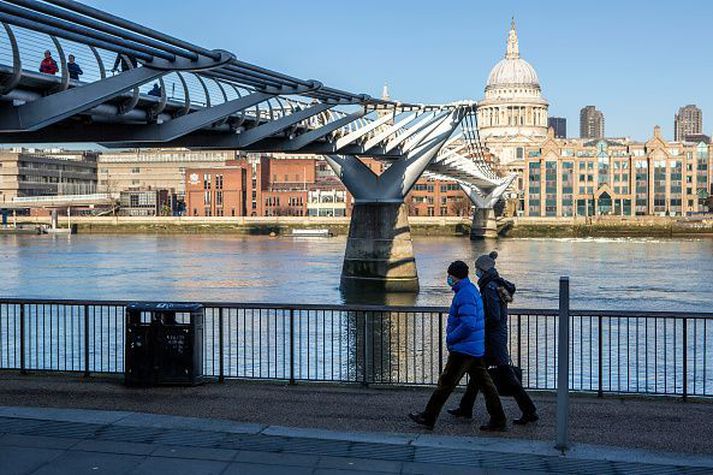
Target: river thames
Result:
[605, 273]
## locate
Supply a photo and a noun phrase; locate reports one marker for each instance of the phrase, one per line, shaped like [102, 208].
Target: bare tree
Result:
[460, 206]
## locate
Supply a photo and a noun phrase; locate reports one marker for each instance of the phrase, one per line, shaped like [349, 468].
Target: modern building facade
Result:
[513, 114]
[559, 125]
[688, 121]
[591, 123]
[29, 172]
[153, 169]
[565, 178]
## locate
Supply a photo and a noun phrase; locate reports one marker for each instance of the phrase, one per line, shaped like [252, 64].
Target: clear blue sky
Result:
[637, 61]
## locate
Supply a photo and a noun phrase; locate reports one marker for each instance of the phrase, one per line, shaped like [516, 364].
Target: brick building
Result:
[288, 185]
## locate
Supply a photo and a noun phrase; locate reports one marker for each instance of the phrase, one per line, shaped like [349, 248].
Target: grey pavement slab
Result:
[64, 415]
[244, 468]
[75, 462]
[378, 437]
[114, 447]
[36, 441]
[199, 453]
[21, 460]
[298, 460]
[161, 421]
[365, 465]
[172, 466]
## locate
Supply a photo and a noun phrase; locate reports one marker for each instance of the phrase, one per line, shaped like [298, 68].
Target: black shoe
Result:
[494, 426]
[419, 419]
[526, 419]
[458, 412]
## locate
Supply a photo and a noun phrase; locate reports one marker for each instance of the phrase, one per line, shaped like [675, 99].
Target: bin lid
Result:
[164, 307]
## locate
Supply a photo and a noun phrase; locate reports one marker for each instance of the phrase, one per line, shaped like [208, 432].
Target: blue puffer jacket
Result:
[465, 332]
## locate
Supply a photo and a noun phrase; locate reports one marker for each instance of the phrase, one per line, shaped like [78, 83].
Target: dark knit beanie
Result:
[486, 261]
[458, 269]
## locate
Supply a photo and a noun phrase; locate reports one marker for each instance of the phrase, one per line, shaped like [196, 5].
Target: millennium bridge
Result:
[144, 88]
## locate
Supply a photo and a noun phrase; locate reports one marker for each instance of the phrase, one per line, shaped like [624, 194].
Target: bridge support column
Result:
[484, 224]
[379, 254]
[54, 218]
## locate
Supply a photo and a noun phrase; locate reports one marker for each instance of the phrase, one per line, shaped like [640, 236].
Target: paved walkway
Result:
[72, 441]
[655, 424]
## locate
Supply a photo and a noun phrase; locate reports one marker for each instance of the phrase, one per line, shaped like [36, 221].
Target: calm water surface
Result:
[619, 273]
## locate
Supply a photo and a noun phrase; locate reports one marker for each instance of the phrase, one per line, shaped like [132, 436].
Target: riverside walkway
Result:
[243, 427]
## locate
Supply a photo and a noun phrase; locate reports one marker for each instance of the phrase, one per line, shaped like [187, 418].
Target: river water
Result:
[605, 273]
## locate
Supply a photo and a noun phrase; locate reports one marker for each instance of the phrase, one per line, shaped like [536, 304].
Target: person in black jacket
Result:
[73, 68]
[497, 293]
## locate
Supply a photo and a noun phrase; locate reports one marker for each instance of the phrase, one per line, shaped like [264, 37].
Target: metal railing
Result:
[667, 353]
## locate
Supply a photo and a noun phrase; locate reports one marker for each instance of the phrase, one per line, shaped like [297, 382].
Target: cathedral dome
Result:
[512, 70]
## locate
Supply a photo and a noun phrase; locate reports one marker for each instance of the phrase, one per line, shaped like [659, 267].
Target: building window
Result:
[206, 181]
[218, 198]
[219, 182]
[206, 198]
[136, 170]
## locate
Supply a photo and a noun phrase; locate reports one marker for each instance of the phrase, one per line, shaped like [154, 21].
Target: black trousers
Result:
[457, 366]
[521, 397]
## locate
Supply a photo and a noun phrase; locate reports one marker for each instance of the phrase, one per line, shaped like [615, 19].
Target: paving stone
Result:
[75, 462]
[245, 468]
[365, 465]
[202, 453]
[40, 442]
[21, 460]
[173, 466]
[277, 459]
[115, 447]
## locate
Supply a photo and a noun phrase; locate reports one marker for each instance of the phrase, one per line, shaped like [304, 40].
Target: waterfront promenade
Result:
[250, 427]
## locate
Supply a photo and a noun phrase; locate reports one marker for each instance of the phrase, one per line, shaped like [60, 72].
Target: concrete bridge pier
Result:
[484, 224]
[379, 254]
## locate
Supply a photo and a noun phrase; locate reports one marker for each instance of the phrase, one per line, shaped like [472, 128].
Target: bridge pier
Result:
[484, 224]
[379, 254]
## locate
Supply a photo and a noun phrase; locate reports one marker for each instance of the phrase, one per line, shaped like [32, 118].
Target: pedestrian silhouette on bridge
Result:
[155, 91]
[125, 62]
[48, 65]
[465, 339]
[73, 68]
[497, 293]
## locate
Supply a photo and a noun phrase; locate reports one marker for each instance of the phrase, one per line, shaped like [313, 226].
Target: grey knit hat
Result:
[486, 261]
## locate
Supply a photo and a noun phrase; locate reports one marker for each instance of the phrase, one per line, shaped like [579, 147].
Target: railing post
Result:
[519, 341]
[685, 360]
[365, 378]
[600, 356]
[292, 346]
[86, 340]
[221, 363]
[563, 368]
[440, 343]
[23, 369]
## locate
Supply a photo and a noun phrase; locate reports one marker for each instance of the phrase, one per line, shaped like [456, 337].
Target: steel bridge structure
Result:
[108, 80]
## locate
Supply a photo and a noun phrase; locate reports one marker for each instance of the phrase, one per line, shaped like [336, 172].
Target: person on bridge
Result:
[48, 65]
[125, 62]
[497, 293]
[155, 90]
[465, 338]
[73, 68]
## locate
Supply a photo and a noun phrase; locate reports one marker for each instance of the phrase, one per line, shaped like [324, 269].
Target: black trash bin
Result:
[164, 344]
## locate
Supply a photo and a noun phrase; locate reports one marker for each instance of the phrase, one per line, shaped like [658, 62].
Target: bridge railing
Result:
[667, 353]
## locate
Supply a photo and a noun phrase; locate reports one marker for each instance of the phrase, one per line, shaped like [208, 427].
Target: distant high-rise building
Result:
[591, 123]
[688, 121]
[560, 126]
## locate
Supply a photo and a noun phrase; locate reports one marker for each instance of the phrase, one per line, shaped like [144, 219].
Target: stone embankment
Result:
[648, 226]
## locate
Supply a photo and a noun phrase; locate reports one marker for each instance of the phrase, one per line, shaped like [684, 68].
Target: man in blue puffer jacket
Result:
[465, 338]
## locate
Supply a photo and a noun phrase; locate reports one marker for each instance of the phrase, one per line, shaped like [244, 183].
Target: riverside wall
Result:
[652, 226]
